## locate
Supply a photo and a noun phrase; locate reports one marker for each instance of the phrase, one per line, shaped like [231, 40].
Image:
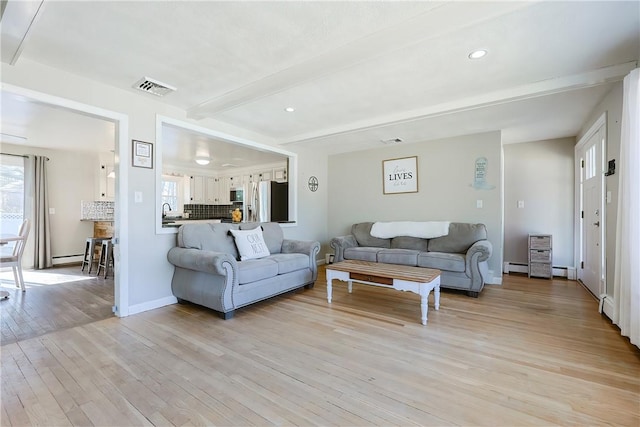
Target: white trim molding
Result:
[150, 305]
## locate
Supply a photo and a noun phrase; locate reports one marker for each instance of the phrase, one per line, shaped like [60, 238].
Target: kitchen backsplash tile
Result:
[208, 211]
[99, 210]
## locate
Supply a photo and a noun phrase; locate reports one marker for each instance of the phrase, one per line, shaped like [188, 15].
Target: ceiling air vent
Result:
[155, 87]
[392, 141]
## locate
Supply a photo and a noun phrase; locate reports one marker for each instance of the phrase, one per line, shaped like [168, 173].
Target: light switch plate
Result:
[479, 204]
[138, 196]
[520, 204]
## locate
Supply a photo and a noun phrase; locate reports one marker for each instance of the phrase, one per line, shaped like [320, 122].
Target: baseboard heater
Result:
[558, 271]
[67, 259]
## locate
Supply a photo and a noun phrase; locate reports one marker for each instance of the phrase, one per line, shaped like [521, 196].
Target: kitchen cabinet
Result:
[211, 191]
[262, 175]
[235, 181]
[224, 191]
[106, 182]
[197, 189]
[280, 174]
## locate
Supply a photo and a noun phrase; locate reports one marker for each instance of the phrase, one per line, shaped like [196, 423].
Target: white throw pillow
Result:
[250, 243]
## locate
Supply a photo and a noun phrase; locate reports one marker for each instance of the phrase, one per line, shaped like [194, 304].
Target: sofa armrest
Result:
[483, 248]
[340, 243]
[311, 248]
[476, 258]
[199, 260]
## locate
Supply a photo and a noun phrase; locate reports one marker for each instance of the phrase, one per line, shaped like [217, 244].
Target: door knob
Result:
[597, 223]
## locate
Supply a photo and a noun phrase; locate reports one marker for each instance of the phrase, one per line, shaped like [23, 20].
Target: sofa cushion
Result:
[272, 233]
[362, 232]
[361, 254]
[250, 243]
[442, 261]
[290, 262]
[398, 256]
[461, 236]
[256, 269]
[406, 242]
[208, 237]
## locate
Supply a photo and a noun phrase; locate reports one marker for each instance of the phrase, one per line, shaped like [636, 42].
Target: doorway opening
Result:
[121, 158]
[590, 208]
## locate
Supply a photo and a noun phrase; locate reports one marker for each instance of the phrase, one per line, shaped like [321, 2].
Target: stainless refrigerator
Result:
[268, 201]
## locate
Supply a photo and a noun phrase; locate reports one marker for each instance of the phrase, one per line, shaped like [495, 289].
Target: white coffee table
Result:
[400, 277]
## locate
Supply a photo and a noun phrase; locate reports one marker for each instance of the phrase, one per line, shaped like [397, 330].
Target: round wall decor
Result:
[313, 183]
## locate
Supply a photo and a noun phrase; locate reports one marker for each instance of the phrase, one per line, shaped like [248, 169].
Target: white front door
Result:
[591, 268]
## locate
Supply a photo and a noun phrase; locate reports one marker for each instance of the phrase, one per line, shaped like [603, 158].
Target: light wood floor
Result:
[48, 308]
[530, 352]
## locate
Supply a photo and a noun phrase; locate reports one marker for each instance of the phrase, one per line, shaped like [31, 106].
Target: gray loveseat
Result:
[208, 273]
[461, 255]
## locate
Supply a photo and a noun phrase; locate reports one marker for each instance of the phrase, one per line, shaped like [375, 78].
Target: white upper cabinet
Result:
[198, 189]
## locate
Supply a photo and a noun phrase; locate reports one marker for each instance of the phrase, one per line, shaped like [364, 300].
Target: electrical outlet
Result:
[520, 204]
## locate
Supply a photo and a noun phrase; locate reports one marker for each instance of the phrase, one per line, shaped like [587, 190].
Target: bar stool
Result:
[106, 257]
[90, 249]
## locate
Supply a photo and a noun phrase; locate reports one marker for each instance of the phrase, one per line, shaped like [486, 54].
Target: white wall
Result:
[612, 105]
[446, 170]
[72, 179]
[149, 278]
[541, 174]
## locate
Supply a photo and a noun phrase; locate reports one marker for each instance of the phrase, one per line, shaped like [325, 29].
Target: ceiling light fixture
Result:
[202, 161]
[477, 54]
[289, 109]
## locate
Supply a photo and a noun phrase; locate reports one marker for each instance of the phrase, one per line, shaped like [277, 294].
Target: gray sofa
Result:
[461, 255]
[208, 273]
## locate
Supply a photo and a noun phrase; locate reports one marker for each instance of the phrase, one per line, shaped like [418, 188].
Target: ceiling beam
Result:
[532, 90]
[440, 19]
[16, 21]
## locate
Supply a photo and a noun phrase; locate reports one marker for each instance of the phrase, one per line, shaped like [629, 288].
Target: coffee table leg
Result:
[424, 306]
[350, 286]
[436, 294]
[329, 287]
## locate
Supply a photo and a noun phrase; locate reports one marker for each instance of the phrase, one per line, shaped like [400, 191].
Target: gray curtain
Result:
[36, 173]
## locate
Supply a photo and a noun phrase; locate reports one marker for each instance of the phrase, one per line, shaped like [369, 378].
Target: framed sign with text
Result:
[400, 175]
[142, 154]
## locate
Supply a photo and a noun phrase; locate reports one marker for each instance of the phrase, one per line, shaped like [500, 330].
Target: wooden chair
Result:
[15, 259]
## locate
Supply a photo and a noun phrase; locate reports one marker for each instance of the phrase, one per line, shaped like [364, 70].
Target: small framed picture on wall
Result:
[400, 175]
[142, 154]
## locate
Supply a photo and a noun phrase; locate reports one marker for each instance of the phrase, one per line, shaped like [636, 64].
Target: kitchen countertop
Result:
[177, 222]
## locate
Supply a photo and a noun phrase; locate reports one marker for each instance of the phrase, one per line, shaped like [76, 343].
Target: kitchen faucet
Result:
[163, 213]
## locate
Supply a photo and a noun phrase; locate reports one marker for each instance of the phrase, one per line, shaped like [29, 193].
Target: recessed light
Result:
[289, 109]
[477, 54]
[202, 161]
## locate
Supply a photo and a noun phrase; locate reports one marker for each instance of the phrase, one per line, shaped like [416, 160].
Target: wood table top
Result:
[392, 271]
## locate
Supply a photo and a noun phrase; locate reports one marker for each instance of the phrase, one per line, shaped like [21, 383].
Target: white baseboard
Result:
[558, 271]
[607, 307]
[71, 259]
[150, 305]
[494, 280]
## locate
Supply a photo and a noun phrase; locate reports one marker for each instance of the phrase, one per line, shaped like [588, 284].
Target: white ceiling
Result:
[356, 72]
